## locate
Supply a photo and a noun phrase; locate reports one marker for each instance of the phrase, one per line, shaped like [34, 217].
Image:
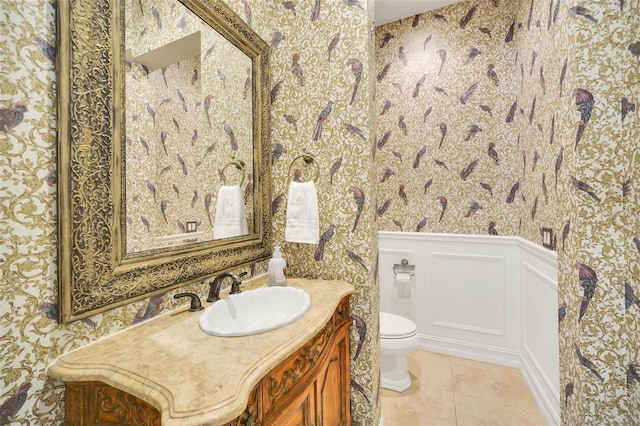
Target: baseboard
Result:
[470, 351]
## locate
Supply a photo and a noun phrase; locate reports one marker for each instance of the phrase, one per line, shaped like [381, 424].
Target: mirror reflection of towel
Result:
[231, 216]
[302, 214]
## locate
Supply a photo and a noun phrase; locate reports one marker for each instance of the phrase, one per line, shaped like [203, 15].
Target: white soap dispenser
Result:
[277, 267]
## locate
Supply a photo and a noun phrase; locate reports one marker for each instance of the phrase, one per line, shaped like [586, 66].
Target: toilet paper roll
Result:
[403, 283]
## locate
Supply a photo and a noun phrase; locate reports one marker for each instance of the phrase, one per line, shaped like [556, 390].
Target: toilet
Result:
[397, 338]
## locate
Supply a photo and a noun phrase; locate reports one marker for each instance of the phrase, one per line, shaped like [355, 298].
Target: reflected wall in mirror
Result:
[152, 138]
[188, 118]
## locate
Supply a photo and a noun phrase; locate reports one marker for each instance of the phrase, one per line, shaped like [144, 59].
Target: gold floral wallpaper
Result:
[501, 118]
[561, 103]
[321, 104]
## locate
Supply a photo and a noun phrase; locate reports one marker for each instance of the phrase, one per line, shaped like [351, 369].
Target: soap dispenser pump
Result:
[276, 269]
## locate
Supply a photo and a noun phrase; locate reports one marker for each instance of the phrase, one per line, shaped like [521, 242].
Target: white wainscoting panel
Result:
[489, 298]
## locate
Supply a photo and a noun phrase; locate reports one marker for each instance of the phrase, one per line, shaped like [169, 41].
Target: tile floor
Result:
[450, 391]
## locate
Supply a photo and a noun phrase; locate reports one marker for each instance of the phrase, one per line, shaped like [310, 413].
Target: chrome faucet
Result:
[216, 285]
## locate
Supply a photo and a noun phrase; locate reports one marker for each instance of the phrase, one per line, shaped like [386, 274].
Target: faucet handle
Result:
[235, 286]
[196, 305]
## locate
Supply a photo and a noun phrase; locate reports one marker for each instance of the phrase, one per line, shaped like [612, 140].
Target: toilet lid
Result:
[396, 327]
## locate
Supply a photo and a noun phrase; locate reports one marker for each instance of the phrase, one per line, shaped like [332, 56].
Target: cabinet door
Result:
[300, 412]
[333, 385]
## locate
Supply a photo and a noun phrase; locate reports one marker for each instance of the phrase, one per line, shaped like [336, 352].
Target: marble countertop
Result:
[191, 377]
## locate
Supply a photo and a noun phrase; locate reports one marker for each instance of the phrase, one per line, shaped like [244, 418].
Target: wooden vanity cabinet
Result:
[311, 387]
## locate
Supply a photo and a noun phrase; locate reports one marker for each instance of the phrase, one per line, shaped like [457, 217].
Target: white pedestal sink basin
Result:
[255, 311]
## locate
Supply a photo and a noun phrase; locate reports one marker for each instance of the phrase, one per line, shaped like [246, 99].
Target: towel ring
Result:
[238, 165]
[308, 159]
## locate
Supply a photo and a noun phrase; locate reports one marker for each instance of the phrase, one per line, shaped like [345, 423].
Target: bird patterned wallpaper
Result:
[322, 51]
[502, 118]
[180, 145]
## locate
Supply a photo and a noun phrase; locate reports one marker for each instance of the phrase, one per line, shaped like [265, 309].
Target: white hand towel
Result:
[231, 216]
[303, 224]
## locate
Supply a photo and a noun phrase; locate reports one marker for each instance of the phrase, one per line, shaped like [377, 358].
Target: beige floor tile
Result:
[424, 407]
[431, 369]
[490, 382]
[472, 411]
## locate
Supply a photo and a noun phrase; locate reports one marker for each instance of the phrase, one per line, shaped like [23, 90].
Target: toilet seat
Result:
[396, 327]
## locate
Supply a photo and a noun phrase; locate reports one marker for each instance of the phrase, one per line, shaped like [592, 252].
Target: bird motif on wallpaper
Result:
[248, 15]
[354, 130]
[563, 74]
[156, 15]
[402, 125]
[626, 107]
[276, 38]
[388, 172]
[468, 93]
[145, 223]
[163, 139]
[440, 17]
[397, 86]
[386, 38]
[587, 363]
[474, 207]
[466, 18]
[145, 145]
[427, 184]
[11, 407]
[415, 21]
[382, 74]
[634, 48]
[584, 101]
[543, 186]
[541, 79]
[296, 69]
[443, 57]
[291, 120]
[11, 116]
[182, 100]
[509, 37]
[360, 389]
[276, 203]
[485, 30]
[232, 137]
[356, 68]
[534, 208]
[420, 226]
[512, 112]
[361, 327]
[358, 197]
[536, 158]
[533, 109]
[426, 41]
[322, 117]
[419, 83]
[492, 74]
[492, 153]
[565, 233]
[47, 49]
[491, 228]
[584, 187]
[622, 3]
[151, 112]
[357, 259]
[426, 114]
[512, 193]
[403, 194]
[588, 281]
[401, 55]
[277, 151]
[353, 3]
[207, 108]
[487, 109]
[487, 187]
[441, 164]
[332, 45]
[383, 208]
[275, 90]
[151, 187]
[464, 174]
[334, 169]
[386, 106]
[150, 309]
[209, 149]
[630, 297]
[181, 226]
[582, 11]
[443, 206]
[383, 140]
[558, 164]
[176, 190]
[163, 210]
[289, 5]
[443, 132]
[324, 238]
[636, 242]
[194, 198]
[521, 77]
[194, 137]
[568, 391]
[474, 129]
[419, 155]
[163, 71]
[633, 375]
[472, 54]
[208, 198]
[562, 311]
[552, 132]
[315, 12]
[175, 124]
[534, 55]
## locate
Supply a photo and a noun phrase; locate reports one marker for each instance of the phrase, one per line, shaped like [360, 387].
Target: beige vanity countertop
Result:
[191, 377]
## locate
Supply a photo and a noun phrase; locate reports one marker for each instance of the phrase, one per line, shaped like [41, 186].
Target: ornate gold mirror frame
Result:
[95, 272]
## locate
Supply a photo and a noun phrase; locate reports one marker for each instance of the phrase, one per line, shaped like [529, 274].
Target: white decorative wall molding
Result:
[489, 298]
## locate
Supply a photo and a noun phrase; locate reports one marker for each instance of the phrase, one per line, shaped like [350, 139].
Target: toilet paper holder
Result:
[404, 268]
